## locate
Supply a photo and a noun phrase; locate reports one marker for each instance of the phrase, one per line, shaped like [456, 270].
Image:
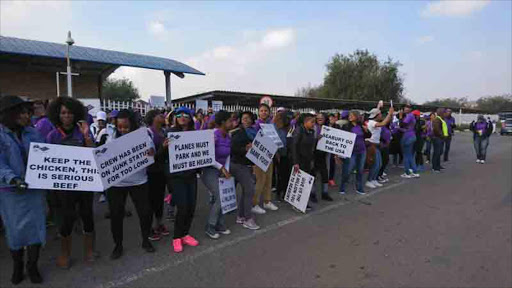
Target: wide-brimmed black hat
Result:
[11, 101]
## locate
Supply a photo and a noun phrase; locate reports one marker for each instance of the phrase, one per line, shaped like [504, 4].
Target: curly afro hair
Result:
[75, 106]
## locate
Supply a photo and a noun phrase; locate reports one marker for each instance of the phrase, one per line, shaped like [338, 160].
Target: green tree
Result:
[448, 102]
[119, 90]
[495, 104]
[360, 76]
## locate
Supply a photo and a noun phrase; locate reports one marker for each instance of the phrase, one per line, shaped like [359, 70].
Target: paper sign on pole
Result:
[216, 106]
[123, 156]
[191, 150]
[299, 189]
[270, 131]
[203, 105]
[227, 193]
[262, 151]
[60, 167]
[336, 141]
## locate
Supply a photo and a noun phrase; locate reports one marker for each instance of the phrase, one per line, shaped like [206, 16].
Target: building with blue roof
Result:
[31, 68]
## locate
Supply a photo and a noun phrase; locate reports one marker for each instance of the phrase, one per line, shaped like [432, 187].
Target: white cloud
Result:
[453, 8]
[278, 38]
[424, 39]
[25, 19]
[157, 29]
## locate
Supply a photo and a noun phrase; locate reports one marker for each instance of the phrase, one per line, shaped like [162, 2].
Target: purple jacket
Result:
[385, 136]
[58, 136]
[222, 146]
[44, 126]
[409, 126]
[359, 146]
[259, 121]
[450, 122]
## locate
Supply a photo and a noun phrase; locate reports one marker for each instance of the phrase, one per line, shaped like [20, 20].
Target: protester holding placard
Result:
[320, 165]
[263, 178]
[282, 159]
[68, 114]
[304, 143]
[22, 210]
[242, 169]
[333, 118]
[216, 223]
[156, 176]
[137, 186]
[183, 184]
[358, 158]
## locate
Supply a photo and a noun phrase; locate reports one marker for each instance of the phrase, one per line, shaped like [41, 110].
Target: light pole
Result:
[70, 42]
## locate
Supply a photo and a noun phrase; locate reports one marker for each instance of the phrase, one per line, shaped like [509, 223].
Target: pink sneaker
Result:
[190, 241]
[178, 247]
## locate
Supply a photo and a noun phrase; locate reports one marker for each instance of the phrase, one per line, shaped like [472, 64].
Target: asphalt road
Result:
[443, 230]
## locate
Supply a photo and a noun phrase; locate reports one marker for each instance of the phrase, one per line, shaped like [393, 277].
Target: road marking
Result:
[148, 271]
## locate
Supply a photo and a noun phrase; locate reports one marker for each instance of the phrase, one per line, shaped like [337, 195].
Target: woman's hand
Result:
[151, 152]
[296, 168]
[225, 172]
[248, 147]
[166, 143]
[84, 128]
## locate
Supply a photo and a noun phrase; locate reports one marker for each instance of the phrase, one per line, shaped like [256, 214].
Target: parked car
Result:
[506, 122]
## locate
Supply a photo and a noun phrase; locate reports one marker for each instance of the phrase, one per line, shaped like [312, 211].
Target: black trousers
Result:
[384, 152]
[418, 147]
[320, 166]
[447, 144]
[284, 168]
[117, 200]
[332, 167]
[185, 192]
[69, 201]
[156, 182]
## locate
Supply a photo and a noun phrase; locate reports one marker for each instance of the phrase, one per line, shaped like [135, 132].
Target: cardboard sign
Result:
[262, 151]
[60, 167]
[124, 156]
[336, 141]
[227, 192]
[270, 131]
[216, 106]
[299, 189]
[203, 105]
[191, 150]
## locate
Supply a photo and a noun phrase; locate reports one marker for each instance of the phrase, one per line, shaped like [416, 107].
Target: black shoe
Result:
[313, 198]
[33, 257]
[147, 246]
[326, 197]
[17, 273]
[309, 208]
[117, 253]
[442, 168]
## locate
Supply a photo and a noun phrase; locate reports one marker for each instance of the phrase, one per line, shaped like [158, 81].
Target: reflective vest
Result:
[445, 127]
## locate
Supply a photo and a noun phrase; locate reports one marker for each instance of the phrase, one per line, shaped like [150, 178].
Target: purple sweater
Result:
[58, 136]
[410, 122]
[359, 146]
[44, 126]
[222, 146]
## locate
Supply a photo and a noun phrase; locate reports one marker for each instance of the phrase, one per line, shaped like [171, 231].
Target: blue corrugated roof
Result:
[55, 50]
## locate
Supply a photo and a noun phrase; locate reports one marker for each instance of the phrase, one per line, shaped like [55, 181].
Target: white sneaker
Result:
[477, 160]
[384, 174]
[270, 206]
[415, 175]
[406, 176]
[376, 183]
[369, 184]
[258, 210]
[482, 161]
[251, 225]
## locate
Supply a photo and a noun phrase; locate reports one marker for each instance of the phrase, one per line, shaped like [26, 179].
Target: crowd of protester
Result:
[411, 138]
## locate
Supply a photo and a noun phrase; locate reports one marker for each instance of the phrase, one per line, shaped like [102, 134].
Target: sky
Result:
[447, 48]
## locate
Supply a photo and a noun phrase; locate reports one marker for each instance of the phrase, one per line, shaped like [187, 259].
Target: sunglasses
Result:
[183, 115]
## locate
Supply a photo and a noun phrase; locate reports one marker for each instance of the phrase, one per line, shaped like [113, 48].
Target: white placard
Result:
[124, 156]
[191, 150]
[61, 167]
[203, 105]
[262, 151]
[336, 141]
[216, 106]
[270, 131]
[227, 194]
[299, 189]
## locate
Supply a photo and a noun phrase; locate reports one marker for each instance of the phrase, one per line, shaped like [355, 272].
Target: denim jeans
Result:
[408, 151]
[356, 161]
[438, 150]
[374, 170]
[243, 174]
[447, 144]
[480, 144]
[210, 178]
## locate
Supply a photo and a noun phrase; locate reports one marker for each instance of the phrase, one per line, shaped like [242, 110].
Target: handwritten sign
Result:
[217, 106]
[299, 189]
[336, 141]
[203, 105]
[191, 150]
[124, 156]
[262, 151]
[227, 193]
[270, 131]
[60, 167]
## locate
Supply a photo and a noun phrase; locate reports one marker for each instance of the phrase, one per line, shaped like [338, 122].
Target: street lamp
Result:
[70, 42]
